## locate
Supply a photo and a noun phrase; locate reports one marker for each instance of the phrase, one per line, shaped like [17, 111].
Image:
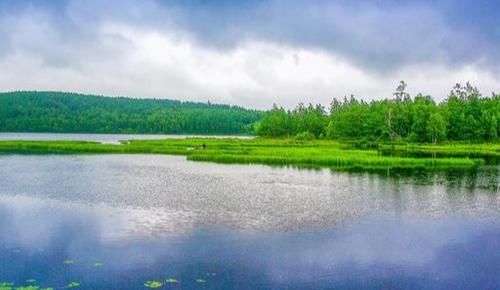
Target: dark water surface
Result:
[118, 221]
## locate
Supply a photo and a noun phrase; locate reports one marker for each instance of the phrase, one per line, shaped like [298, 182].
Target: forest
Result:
[465, 115]
[77, 113]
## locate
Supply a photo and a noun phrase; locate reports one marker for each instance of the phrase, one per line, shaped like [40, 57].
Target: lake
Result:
[119, 221]
[102, 138]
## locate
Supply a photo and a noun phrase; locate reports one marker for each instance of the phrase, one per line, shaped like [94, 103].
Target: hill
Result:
[29, 111]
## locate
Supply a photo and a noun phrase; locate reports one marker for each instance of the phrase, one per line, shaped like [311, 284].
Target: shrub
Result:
[304, 136]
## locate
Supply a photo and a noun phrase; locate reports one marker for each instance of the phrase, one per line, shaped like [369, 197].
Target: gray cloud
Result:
[380, 37]
[252, 53]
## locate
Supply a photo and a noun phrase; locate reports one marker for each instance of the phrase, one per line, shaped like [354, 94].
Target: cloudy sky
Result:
[249, 53]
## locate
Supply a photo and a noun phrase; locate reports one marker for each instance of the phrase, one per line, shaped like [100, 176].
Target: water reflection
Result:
[143, 218]
[376, 251]
[189, 194]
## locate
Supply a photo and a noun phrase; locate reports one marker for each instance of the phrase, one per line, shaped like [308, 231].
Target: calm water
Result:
[118, 221]
[103, 138]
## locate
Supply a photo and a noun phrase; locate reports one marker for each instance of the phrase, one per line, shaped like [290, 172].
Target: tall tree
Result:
[436, 128]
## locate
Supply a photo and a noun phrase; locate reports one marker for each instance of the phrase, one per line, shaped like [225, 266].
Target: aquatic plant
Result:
[32, 287]
[68, 262]
[97, 264]
[6, 285]
[153, 284]
[10, 286]
[171, 280]
[73, 285]
[199, 280]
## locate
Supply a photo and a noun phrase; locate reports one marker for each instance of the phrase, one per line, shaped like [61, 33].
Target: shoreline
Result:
[277, 152]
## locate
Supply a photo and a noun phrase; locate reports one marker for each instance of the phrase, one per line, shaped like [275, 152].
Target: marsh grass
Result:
[279, 152]
[485, 150]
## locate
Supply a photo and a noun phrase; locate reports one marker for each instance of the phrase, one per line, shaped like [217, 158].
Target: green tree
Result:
[275, 123]
[77, 113]
[436, 128]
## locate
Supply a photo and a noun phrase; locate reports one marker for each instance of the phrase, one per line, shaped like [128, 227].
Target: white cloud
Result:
[126, 60]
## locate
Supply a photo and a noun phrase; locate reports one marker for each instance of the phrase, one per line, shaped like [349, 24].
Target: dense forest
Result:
[77, 113]
[463, 116]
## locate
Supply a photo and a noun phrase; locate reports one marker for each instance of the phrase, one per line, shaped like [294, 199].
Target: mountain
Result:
[61, 112]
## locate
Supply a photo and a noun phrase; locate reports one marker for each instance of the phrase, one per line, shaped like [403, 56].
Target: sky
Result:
[249, 53]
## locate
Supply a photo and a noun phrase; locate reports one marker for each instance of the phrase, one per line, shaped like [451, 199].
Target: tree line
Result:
[78, 113]
[464, 115]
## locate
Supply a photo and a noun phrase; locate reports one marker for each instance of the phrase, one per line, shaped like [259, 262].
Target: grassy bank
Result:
[488, 151]
[330, 154]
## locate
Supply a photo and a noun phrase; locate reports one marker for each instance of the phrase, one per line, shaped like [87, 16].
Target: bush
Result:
[304, 136]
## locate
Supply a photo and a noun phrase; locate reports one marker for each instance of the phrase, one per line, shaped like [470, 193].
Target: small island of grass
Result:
[318, 153]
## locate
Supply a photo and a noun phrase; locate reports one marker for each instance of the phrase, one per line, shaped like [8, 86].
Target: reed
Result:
[279, 152]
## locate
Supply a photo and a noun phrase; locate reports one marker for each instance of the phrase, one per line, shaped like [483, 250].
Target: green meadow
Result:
[279, 152]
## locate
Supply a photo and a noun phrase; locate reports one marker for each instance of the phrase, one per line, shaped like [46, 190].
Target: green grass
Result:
[282, 152]
[484, 150]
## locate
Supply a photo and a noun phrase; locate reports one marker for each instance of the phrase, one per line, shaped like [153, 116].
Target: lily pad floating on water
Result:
[6, 285]
[73, 285]
[31, 287]
[97, 264]
[68, 262]
[200, 281]
[153, 284]
[171, 280]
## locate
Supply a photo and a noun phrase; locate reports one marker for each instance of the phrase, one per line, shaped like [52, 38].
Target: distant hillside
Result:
[78, 113]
